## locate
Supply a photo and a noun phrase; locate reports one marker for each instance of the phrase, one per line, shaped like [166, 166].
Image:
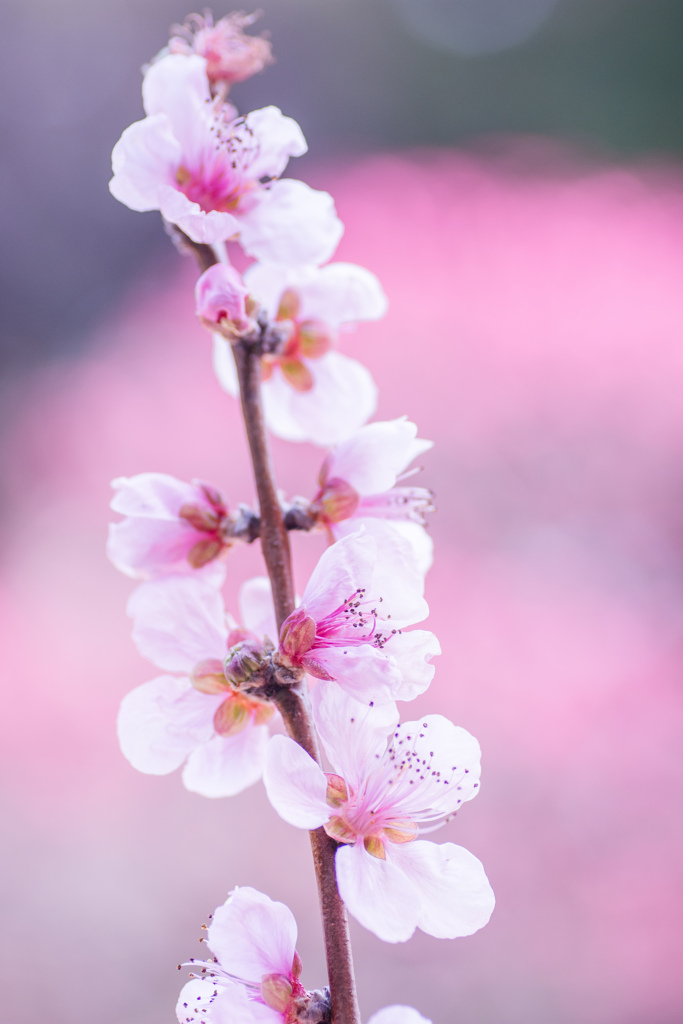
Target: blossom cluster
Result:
[217, 178]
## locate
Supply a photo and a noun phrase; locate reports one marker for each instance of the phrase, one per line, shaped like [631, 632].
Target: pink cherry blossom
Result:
[231, 55]
[310, 391]
[221, 296]
[349, 625]
[171, 527]
[392, 783]
[398, 1015]
[254, 975]
[196, 716]
[215, 177]
[358, 486]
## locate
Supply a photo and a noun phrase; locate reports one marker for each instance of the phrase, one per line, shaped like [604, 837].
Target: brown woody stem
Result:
[293, 701]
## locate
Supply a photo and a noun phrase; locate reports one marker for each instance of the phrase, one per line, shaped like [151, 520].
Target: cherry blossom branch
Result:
[292, 701]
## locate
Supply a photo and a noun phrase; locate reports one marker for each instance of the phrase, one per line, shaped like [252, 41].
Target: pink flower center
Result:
[308, 339]
[219, 178]
[391, 802]
[278, 991]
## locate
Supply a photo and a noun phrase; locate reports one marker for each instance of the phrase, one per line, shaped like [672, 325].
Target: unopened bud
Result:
[231, 55]
[208, 676]
[244, 661]
[276, 992]
[220, 296]
[297, 635]
[337, 792]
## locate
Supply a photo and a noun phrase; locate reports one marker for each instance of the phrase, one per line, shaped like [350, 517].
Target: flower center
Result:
[219, 179]
[358, 819]
[308, 339]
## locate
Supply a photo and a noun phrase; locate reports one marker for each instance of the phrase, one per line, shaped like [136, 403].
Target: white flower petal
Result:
[412, 652]
[214, 226]
[178, 621]
[233, 1006]
[295, 785]
[453, 757]
[227, 765]
[378, 894]
[162, 721]
[396, 578]
[342, 568]
[419, 547]
[145, 157]
[354, 736]
[224, 366]
[342, 398]
[375, 455]
[456, 898]
[279, 137]
[369, 675]
[289, 222]
[421, 544]
[153, 495]
[146, 549]
[256, 608]
[203, 1002]
[253, 935]
[398, 1015]
[341, 293]
[177, 86]
[194, 1001]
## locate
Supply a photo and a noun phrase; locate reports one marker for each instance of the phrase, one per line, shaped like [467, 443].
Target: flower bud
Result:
[208, 676]
[244, 661]
[276, 992]
[221, 298]
[231, 55]
[297, 635]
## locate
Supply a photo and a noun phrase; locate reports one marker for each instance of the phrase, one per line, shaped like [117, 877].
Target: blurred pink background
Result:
[534, 332]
